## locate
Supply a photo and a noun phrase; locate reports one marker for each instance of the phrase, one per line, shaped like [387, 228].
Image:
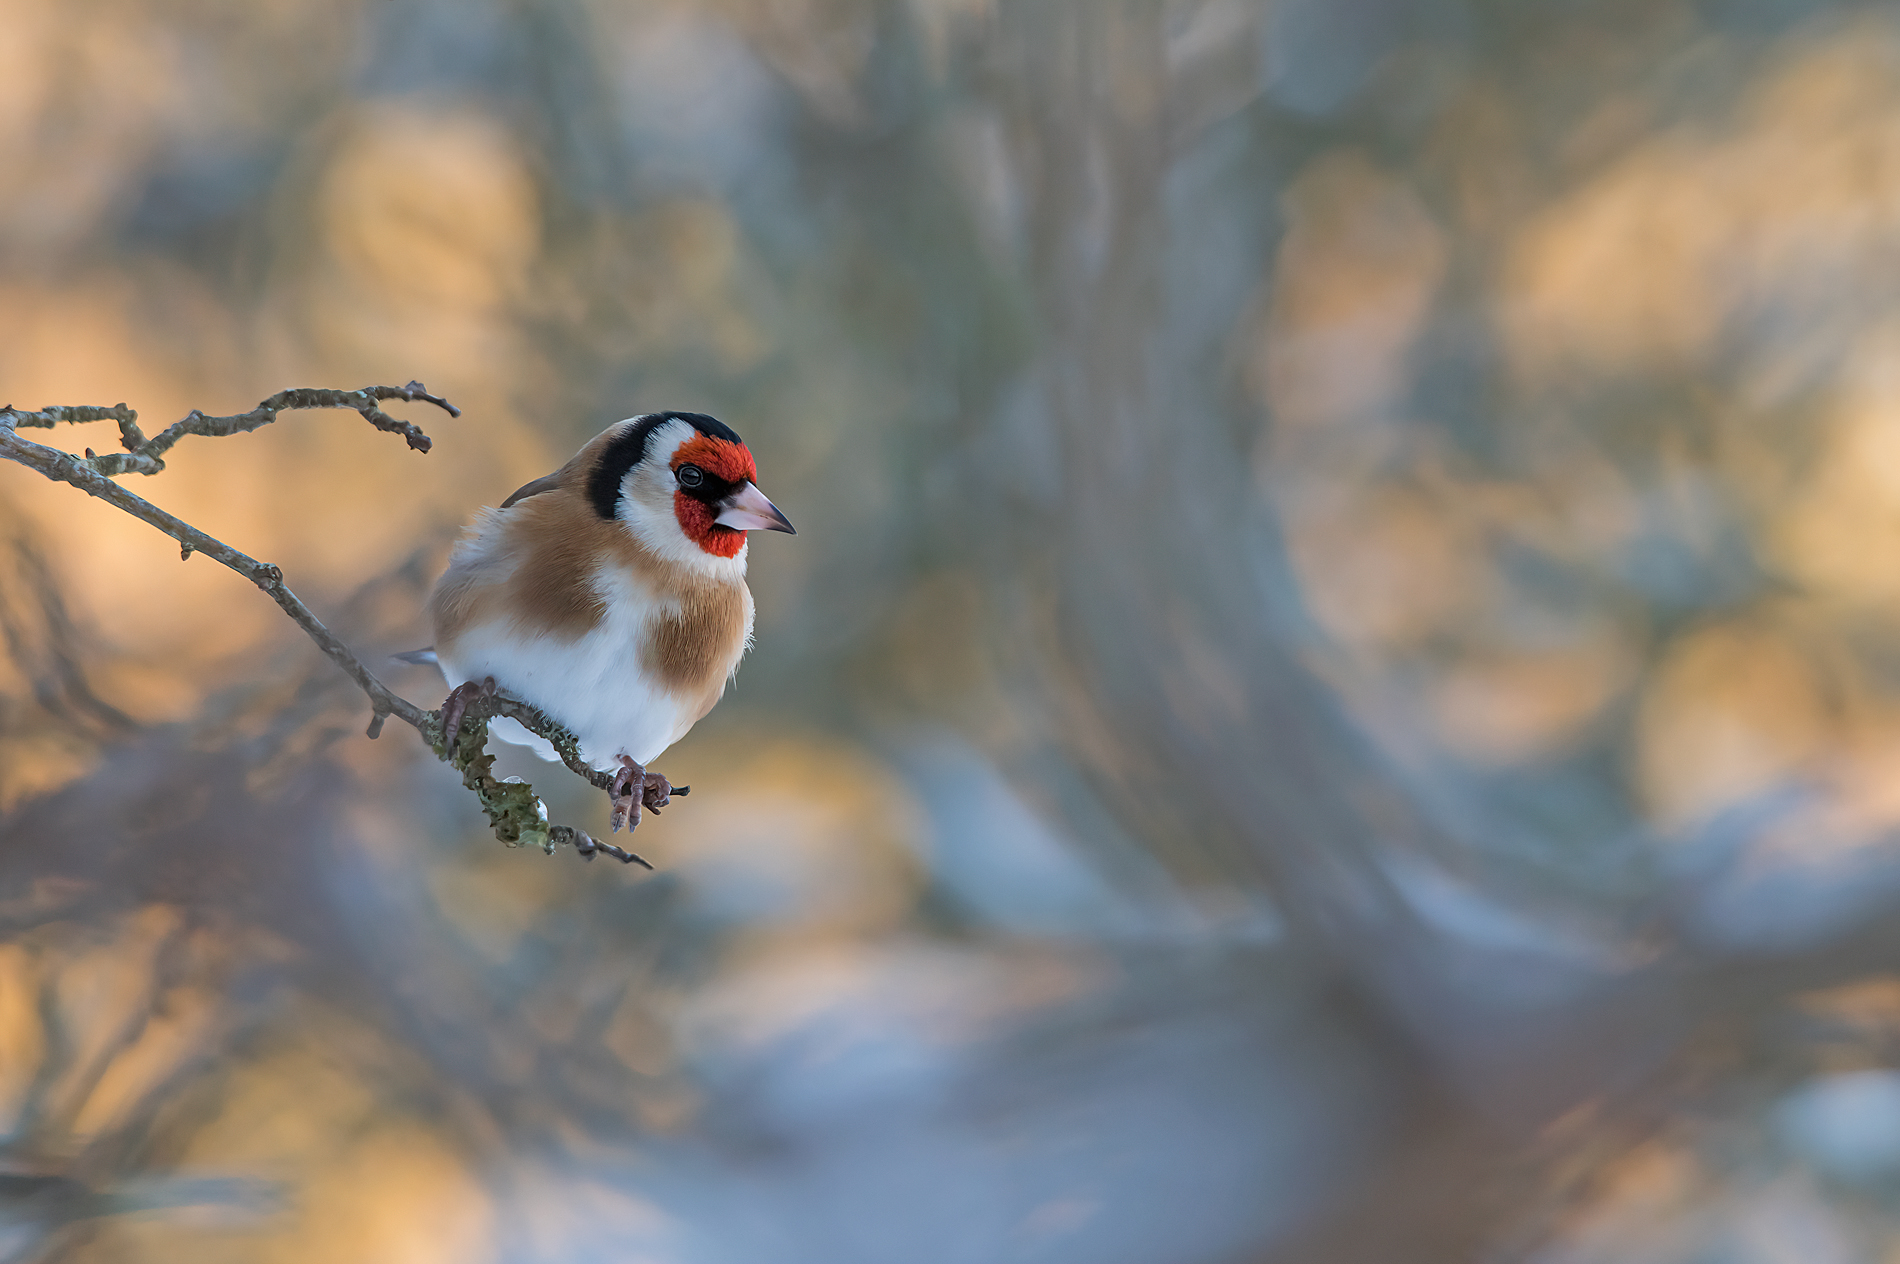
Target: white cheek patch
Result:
[646, 508]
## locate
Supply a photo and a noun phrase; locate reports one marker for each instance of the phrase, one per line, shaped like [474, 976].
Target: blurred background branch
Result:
[1341, 705]
[518, 816]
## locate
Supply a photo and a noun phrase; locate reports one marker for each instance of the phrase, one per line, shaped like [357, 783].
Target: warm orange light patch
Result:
[718, 457]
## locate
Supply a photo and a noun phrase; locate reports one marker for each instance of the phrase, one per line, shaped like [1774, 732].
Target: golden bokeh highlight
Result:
[1732, 711]
[1356, 272]
[1566, 436]
[798, 866]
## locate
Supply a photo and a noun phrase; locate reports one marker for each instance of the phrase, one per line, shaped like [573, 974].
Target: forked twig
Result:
[518, 816]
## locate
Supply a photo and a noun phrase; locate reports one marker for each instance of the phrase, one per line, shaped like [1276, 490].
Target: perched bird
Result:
[610, 595]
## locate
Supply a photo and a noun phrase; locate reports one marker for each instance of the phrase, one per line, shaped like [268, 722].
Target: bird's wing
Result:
[546, 483]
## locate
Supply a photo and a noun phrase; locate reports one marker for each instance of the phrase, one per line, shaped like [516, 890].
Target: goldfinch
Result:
[610, 595]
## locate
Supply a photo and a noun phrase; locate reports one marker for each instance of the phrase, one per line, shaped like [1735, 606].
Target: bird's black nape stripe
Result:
[629, 448]
[626, 450]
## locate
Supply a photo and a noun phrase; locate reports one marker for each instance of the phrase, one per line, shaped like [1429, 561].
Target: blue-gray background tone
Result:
[1334, 699]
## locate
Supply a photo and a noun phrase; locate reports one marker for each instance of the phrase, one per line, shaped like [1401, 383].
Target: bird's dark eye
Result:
[690, 476]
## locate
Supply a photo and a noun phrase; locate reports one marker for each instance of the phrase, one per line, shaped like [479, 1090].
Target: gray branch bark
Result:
[517, 814]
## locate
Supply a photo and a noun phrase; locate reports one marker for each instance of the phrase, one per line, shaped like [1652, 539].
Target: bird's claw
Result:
[626, 807]
[655, 792]
[456, 704]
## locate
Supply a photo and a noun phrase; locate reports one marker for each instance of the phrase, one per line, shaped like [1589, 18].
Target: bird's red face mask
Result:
[718, 500]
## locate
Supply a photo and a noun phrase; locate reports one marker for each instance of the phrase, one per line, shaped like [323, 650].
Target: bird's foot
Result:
[626, 803]
[457, 703]
[658, 791]
[655, 792]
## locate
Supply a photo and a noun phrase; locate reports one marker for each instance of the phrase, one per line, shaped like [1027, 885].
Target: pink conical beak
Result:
[748, 510]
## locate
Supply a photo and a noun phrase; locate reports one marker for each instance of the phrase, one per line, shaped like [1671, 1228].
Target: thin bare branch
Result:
[518, 816]
[66, 468]
[147, 456]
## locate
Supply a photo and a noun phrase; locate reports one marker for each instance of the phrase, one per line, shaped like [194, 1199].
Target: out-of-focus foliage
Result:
[1333, 699]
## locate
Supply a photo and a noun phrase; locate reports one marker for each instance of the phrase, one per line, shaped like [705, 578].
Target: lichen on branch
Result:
[518, 816]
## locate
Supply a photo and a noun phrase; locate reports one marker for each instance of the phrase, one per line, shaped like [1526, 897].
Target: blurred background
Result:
[1335, 699]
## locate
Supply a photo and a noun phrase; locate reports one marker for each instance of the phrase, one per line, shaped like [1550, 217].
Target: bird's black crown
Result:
[628, 448]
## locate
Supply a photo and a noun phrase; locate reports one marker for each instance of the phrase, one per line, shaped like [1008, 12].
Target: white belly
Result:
[593, 686]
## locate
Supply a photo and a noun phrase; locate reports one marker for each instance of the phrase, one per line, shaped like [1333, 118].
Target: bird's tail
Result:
[424, 657]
